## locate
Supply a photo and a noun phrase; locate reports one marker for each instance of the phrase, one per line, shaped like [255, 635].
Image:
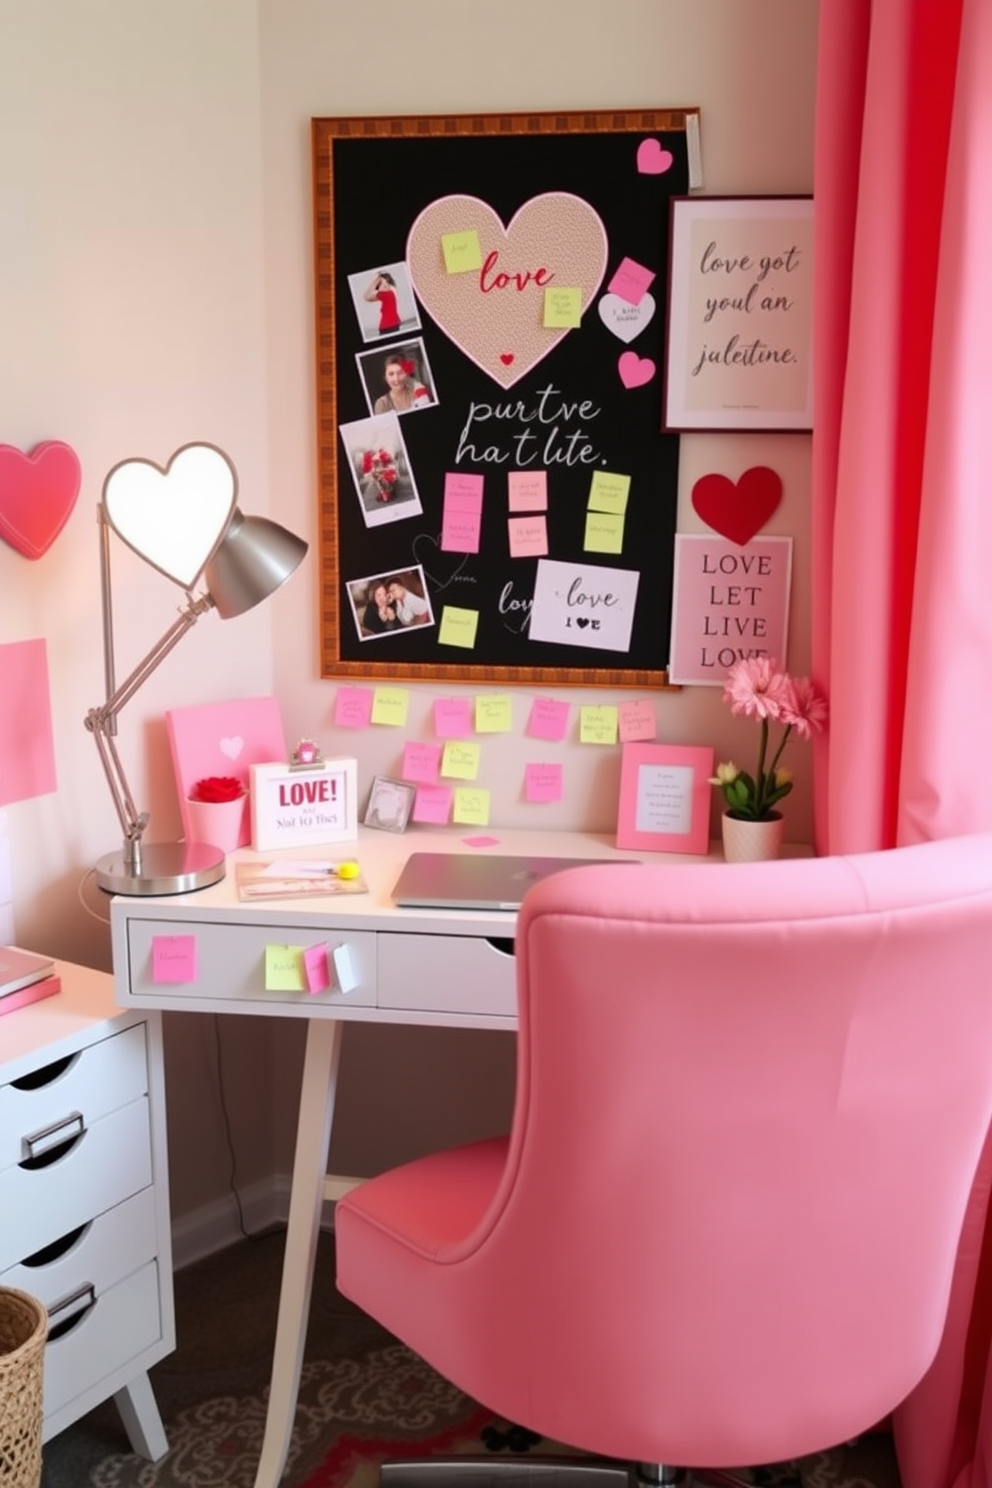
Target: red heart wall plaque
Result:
[738, 511]
[37, 494]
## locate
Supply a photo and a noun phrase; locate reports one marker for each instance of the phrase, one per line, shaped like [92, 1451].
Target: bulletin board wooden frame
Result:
[362, 213]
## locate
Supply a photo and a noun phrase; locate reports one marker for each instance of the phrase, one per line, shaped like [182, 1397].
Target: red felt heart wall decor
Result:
[37, 494]
[738, 511]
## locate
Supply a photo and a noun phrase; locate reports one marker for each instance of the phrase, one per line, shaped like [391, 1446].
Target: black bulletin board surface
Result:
[569, 414]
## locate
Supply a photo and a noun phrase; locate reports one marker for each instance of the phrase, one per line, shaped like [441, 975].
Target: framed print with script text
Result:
[665, 798]
[740, 300]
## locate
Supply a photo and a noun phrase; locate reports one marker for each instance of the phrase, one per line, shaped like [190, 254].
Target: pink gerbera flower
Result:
[756, 687]
[806, 710]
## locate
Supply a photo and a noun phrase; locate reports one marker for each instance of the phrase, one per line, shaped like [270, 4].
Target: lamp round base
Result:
[166, 868]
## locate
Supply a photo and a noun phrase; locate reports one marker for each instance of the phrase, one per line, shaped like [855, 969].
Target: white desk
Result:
[450, 968]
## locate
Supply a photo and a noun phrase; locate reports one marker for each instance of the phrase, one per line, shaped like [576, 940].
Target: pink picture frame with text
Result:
[665, 798]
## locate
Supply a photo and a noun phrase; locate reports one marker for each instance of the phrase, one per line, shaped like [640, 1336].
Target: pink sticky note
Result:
[432, 803]
[527, 490]
[316, 968]
[421, 762]
[480, 841]
[353, 707]
[173, 958]
[548, 719]
[528, 536]
[631, 281]
[636, 720]
[466, 487]
[27, 756]
[460, 528]
[543, 783]
[453, 718]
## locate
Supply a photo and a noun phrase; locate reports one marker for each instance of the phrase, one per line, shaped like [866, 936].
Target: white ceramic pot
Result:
[218, 823]
[747, 841]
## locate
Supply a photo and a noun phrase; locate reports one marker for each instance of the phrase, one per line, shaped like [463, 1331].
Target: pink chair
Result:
[750, 1105]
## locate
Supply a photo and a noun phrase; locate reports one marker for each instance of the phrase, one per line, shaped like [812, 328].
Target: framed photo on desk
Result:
[665, 798]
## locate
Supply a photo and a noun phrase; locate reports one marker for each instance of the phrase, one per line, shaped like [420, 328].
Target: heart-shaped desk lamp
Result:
[182, 520]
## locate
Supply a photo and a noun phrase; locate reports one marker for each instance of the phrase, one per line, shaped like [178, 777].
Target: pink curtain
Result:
[902, 522]
[902, 449]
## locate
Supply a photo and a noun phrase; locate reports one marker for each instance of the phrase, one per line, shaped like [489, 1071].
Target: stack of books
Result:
[25, 978]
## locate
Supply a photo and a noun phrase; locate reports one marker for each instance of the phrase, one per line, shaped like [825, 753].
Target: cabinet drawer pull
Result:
[68, 1310]
[41, 1142]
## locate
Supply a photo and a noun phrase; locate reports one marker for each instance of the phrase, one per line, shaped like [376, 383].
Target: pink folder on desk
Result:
[224, 739]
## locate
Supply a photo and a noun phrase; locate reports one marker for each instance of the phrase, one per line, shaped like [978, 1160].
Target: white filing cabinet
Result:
[84, 1209]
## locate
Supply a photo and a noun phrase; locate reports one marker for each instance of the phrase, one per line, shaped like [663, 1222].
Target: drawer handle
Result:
[42, 1142]
[501, 943]
[62, 1315]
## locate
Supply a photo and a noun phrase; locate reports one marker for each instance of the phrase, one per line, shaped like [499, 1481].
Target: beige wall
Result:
[155, 288]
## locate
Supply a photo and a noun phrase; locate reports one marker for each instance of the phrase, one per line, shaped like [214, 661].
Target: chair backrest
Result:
[750, 1104]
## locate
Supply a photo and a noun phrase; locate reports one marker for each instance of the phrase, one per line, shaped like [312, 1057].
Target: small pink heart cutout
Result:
[652, 160]
[738, 511]
[635, 371]
[37, 494]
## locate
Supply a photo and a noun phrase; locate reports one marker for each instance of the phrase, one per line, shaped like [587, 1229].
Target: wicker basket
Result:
[23, 1330]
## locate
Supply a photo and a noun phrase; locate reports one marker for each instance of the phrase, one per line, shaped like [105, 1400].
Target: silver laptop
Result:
[475, 880]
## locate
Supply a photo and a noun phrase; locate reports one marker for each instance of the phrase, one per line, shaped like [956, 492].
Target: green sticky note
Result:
[598, 725]
[604, 532]
[460, 759]
[390, 705]
[461, 251]
[609, 492]
[493, 714]
[458, 627]
[284, 969]
[471, 806]
[562, 308]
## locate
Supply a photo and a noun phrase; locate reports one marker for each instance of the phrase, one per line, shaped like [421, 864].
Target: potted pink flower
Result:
[215, 810]
[758, 688]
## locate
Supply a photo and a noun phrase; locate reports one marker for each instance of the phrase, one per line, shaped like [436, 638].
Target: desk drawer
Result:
[97, 1255]
[97, 1080]
[447, 974]
[230, 962]
[105, 1164]
[115, 1328]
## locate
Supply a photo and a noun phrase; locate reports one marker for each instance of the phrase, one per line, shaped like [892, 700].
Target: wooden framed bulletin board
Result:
[497, 496]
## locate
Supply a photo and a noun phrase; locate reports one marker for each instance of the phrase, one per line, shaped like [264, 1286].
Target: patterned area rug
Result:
[363, 1399]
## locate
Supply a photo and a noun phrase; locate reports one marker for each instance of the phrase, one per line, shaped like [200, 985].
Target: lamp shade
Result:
[254, 557]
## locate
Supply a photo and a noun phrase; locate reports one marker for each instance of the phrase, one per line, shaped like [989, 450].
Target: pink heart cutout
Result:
[652, 160]
[738, 511]
[635, 371]
[37, 494]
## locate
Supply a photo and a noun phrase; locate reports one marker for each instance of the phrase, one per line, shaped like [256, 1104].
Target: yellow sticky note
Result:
[460, 759]
[604, 532]
[608, 492]
[471, 805]
[458, 627]
[461, 251]
[562, 307]
[598, 725]
[284, 969]
[493, 714]
[390, 705]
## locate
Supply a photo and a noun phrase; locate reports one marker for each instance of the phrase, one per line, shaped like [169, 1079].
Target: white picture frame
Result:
[740, 314]
[293, 807]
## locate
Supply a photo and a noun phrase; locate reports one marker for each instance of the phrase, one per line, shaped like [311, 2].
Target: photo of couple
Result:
[386, 603]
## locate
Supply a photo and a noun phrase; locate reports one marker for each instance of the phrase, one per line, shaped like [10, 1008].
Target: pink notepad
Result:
[37, 990]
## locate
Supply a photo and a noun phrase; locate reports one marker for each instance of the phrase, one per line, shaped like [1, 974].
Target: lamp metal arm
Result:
[101, 722]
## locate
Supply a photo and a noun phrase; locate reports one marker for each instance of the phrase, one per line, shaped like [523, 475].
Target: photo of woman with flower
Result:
[398, 380]
[380, 469]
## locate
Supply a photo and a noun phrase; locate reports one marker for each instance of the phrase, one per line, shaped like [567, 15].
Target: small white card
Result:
[583, 604]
